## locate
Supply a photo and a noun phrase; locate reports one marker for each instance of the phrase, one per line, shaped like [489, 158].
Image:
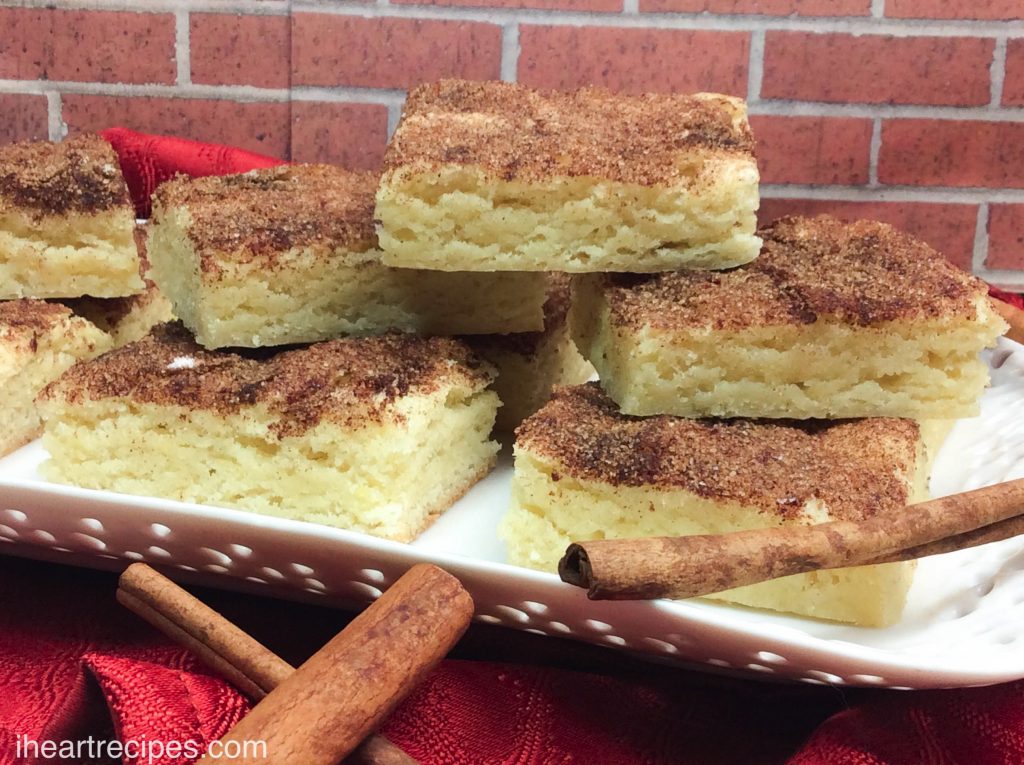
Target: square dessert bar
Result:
[289, 255]
[38, 342]
[378, 434]
[531, 364]
[832, 320]
[66, 221]
[584, 471]
[489, 176]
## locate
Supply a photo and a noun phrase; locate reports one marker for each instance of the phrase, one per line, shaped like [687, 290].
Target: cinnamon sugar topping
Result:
[351, 382]
[862, 273]
[857, 468]
[31, 315]
[264, 212]
[517, 133]
[80, 175]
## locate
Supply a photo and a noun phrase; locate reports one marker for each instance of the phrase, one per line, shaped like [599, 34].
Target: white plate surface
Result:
[964, 624]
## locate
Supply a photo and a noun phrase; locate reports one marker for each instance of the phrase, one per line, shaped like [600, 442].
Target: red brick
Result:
[24, 118]
[86, 46]
[389, 52]
[949, 228]
[634, 60]
[350, 135]
[813, 149]
[763, 7]
[1005, 237]
[551, 5]
[954, 9]
[952, 153]
[260, 127]
[876, 69]
[229, 49]
[1013, 85]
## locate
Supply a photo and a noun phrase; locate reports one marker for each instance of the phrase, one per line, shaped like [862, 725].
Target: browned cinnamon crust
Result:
[259, 214]
[857, 468]
[861, 273]
[23, 320]
[141, 235]
[556, 310]
[350, 382]
[79, 175]
[517, 133]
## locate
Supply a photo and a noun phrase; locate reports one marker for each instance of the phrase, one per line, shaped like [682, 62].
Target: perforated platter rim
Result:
[964, 624]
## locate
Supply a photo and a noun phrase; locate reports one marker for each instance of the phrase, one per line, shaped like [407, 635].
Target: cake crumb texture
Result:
[531, 364]
[38, 342]
[289, 255]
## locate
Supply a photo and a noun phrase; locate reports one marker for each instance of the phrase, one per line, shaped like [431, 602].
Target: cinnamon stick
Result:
[231, 652]
[686, 567]
[323, 710]
[1013, 316]
[994, 532]
[241, 659]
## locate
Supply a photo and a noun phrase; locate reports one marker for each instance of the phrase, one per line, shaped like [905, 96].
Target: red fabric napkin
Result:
[74, 664]
[149, 160]
[1009, 297]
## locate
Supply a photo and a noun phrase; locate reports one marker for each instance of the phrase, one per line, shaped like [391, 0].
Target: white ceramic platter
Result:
[964, 624]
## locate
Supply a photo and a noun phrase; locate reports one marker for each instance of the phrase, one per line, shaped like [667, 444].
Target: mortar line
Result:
[183, 47]
[55, 127]
[997, 72]
[755, 68]
[980, 253]
[875, 150]
[510, 50]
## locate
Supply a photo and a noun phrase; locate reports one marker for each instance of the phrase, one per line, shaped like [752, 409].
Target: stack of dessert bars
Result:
[67, 236]
[342, 334]
[794, 375]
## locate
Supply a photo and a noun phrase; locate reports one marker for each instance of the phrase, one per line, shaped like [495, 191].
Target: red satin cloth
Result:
[74, 664]
[149, 160]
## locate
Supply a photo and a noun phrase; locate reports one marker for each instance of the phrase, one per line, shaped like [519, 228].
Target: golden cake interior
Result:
[127, 319]
[38, 342]
[531, 364]
[496, 176]
[832, 320]
[378, 435]
[586, 471]
[66, 221]
[289, 254]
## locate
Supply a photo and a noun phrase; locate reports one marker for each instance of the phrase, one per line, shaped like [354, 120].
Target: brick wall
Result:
[910, 111]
